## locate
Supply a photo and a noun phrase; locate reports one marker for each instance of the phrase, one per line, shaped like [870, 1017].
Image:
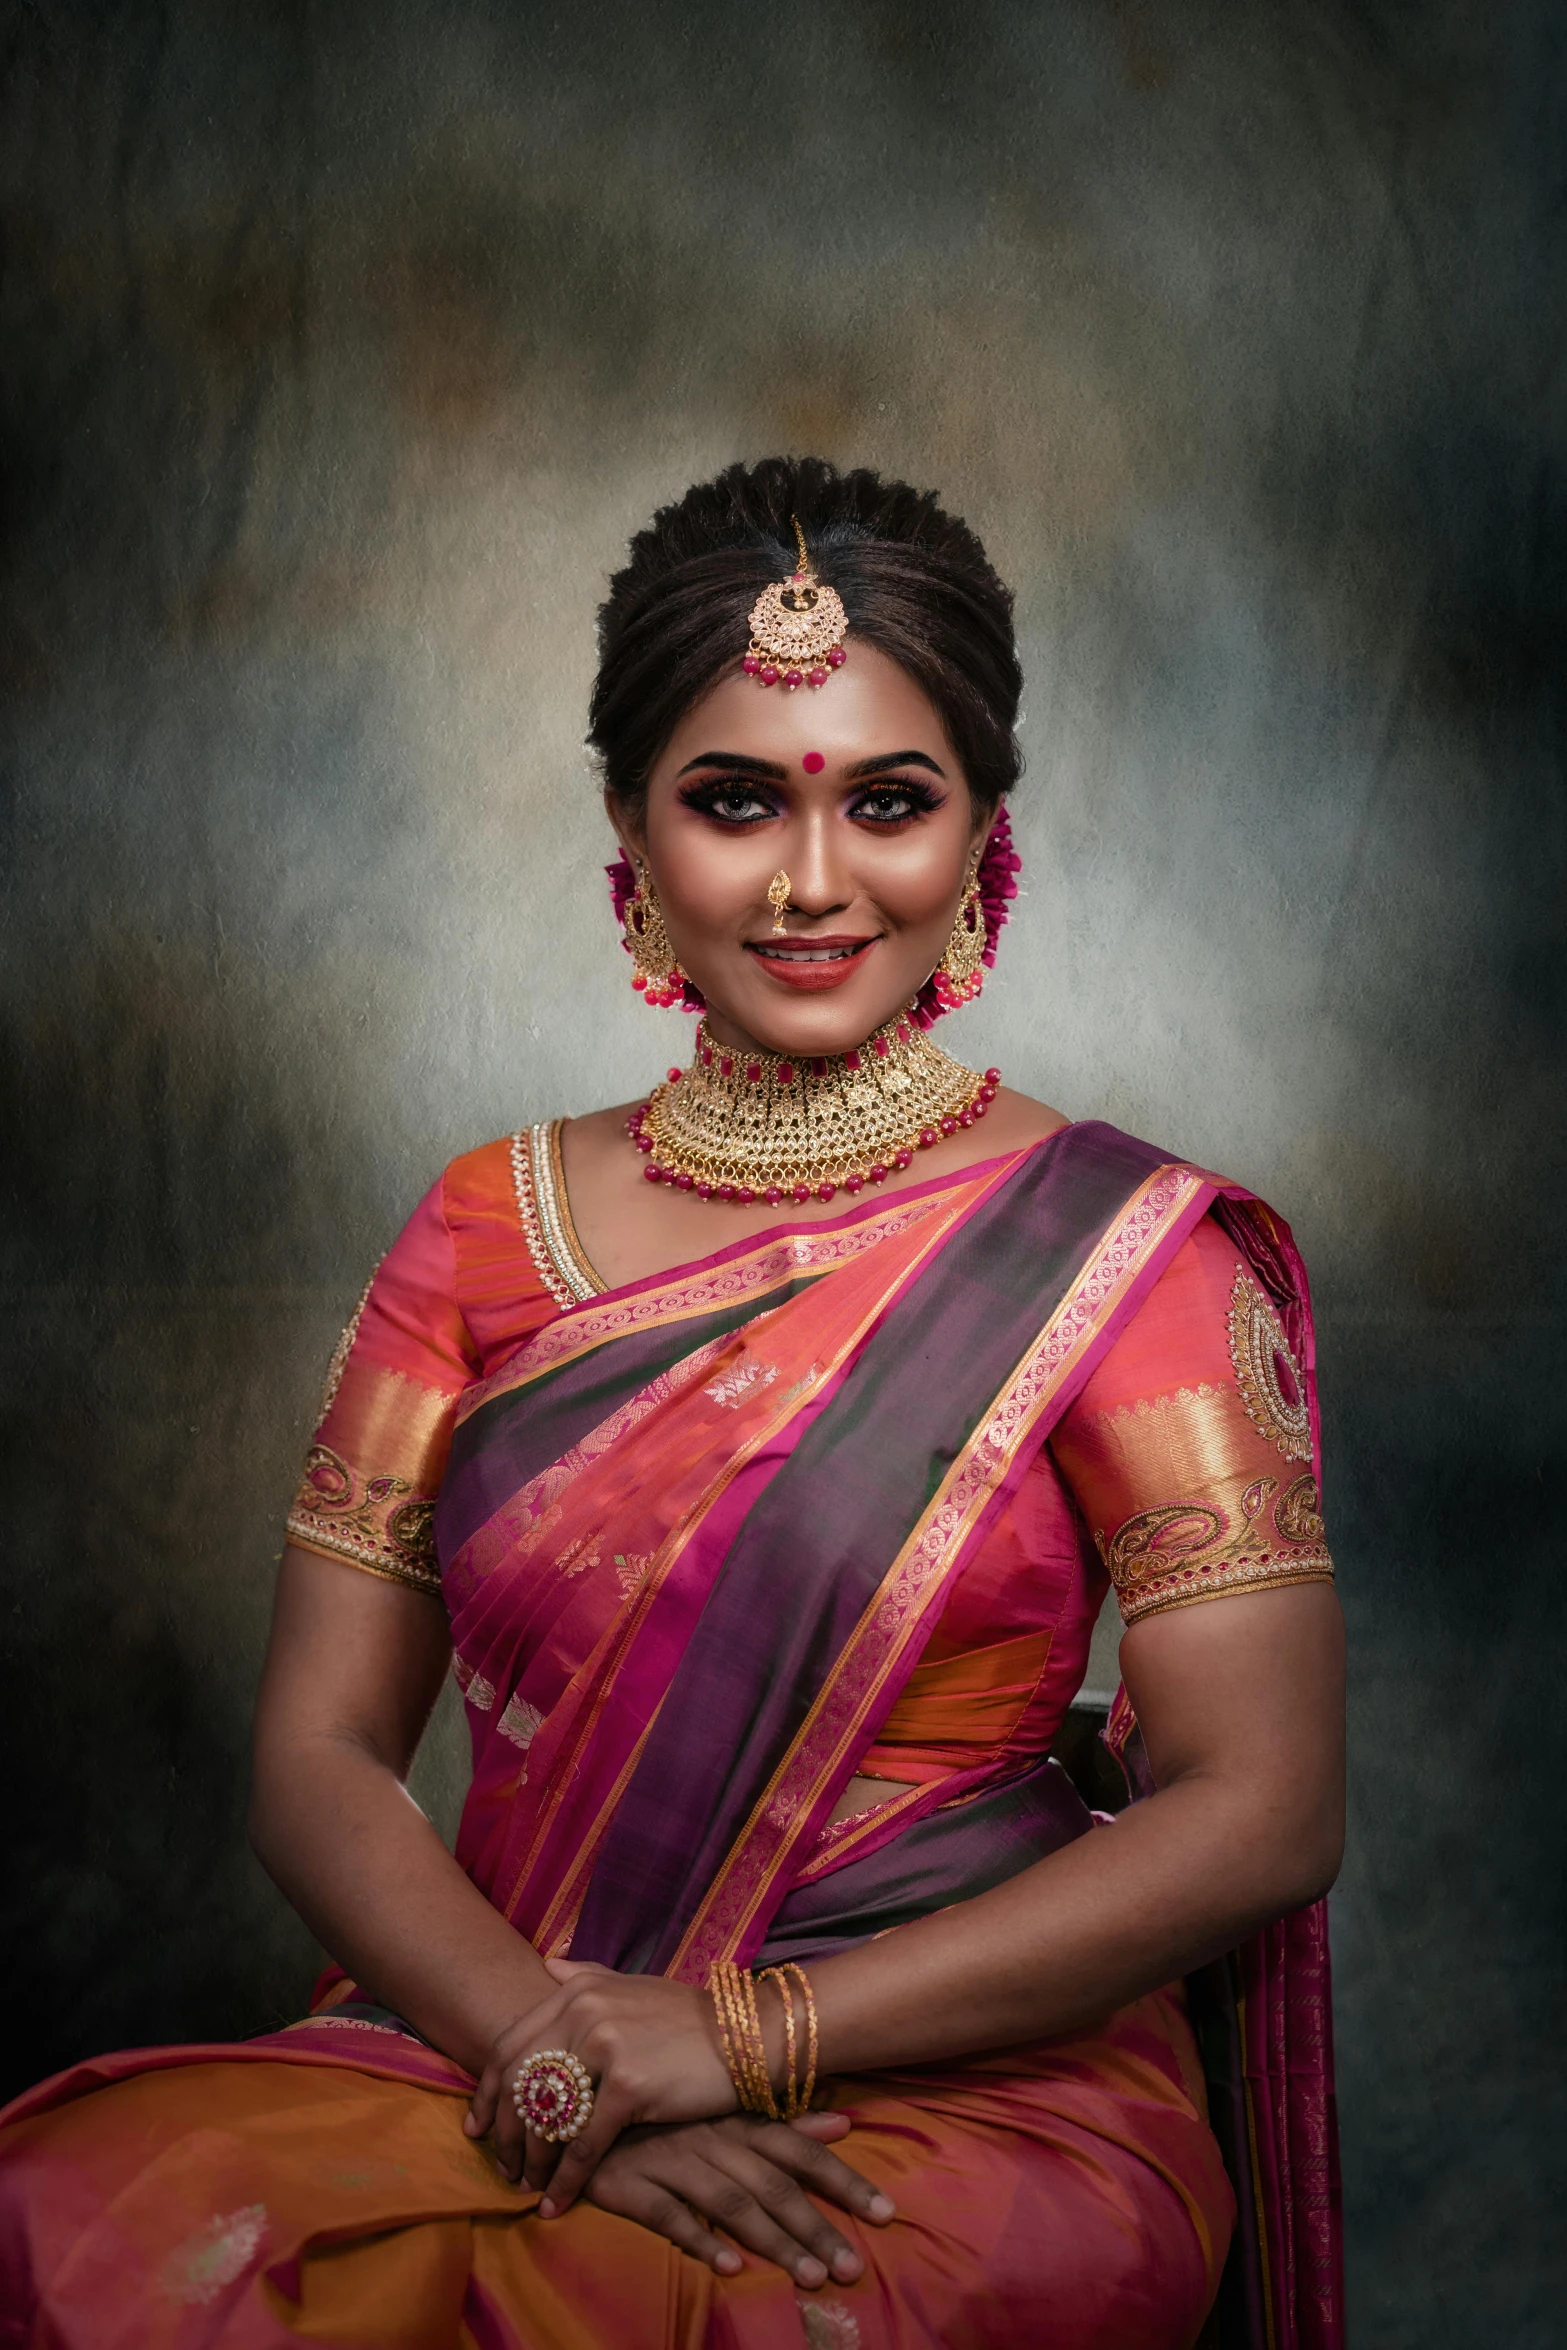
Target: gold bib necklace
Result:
[746, 1126]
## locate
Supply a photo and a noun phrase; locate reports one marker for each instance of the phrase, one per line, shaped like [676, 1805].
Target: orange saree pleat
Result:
[249, 2206]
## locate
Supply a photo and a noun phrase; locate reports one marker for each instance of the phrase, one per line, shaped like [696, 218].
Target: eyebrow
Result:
[739, 761]
[889, 759]
[858, 773]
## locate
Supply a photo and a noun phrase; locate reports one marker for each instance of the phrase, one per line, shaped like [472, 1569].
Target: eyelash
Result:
[872, 804]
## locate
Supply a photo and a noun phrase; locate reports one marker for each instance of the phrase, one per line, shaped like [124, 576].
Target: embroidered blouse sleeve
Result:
[1189, 1451]
[372, 1475]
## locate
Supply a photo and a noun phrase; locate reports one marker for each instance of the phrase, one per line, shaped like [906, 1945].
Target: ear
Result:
[985, 821]
[630, 829]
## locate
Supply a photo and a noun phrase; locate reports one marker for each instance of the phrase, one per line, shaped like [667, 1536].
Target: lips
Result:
[811, 963]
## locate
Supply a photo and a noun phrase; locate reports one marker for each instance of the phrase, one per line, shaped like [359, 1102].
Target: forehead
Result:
[868, 708]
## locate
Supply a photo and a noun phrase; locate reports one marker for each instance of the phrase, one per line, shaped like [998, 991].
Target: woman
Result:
[757, 1458]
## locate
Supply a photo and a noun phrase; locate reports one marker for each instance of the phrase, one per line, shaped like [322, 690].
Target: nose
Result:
[819, 882]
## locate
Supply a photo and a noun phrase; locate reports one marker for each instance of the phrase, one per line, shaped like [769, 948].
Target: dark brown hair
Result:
[915, 582]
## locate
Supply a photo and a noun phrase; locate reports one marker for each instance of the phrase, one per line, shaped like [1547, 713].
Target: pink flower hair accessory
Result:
[997, 883]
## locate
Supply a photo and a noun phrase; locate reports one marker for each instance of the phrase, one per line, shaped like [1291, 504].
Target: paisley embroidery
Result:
[1256, 1495]
[1298, 1511]
[378, 1522]
[1272, 1387]
[1152, 1541]
[1185, 1550]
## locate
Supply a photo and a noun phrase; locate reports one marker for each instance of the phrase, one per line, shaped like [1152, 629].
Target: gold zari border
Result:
[1186, 1586]
[897, 1612]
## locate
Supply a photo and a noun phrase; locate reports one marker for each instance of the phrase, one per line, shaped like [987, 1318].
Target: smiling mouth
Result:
[780, 950]
[809, 962]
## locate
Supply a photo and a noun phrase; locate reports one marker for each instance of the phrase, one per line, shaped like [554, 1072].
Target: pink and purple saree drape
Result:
[843, 1496]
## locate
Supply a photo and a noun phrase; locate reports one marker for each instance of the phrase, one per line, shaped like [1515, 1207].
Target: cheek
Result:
[703, 883]
[915, 880]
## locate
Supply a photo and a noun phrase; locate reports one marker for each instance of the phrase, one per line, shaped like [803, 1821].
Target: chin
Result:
[834, 1021]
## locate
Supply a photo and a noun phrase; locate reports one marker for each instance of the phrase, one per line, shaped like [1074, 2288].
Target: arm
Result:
[1242, 1711]
[353, 1670]
[352, 1673]
[1241, 1706]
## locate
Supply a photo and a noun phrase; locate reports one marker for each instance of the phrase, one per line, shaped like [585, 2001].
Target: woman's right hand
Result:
[749, 2177]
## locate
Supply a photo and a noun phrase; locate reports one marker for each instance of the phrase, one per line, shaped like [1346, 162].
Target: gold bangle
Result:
[761, 2076]
[740, 2030]
[808, 2086]
[716, 1988]
[726, 1999]
[797, 2093]
[772, 1974]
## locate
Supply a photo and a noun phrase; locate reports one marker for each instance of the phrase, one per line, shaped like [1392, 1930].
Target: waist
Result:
[949, 1855]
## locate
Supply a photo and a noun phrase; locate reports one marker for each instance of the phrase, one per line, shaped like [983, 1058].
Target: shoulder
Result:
[480, 1228]
[480, 1185]
[1017, 1120]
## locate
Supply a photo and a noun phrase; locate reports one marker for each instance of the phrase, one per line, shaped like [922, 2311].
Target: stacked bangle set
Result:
[745, 2052]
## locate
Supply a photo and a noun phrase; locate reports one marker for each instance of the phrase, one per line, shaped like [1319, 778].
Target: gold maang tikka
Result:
[797, 628]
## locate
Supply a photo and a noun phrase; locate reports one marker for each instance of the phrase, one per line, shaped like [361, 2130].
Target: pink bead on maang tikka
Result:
[797, 628]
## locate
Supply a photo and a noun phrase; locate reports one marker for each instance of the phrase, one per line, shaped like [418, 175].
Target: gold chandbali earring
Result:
[743, 1126]
[778, 899]
[960, 974]
[657, 977]
[797, 628]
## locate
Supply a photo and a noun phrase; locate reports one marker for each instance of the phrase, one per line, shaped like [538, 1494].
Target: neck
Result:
[744, 1123]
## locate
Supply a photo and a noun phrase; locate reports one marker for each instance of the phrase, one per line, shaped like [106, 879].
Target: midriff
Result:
[865, 1795]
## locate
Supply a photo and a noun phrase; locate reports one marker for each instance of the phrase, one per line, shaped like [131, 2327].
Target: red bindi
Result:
[813, 762]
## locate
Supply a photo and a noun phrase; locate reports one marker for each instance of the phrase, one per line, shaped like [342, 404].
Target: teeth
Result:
[819, 955]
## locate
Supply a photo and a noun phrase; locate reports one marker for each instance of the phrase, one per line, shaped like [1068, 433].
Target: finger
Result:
[728, 2202]
[578, 2158]
[525, 2158]
[564, 1968]
[482, 2104]
[540, 2160]
[654, 2207]
[790, 2210]
[492, 2093]
[828, 2127]
[808, 2160]
[508, 2141]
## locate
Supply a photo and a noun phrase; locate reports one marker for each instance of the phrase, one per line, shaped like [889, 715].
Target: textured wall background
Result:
[343, 347]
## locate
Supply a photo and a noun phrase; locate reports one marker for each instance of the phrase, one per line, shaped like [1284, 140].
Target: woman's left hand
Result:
[650, 2046]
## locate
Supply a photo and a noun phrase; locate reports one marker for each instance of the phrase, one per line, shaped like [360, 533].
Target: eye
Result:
[895, 803]
[733, 802]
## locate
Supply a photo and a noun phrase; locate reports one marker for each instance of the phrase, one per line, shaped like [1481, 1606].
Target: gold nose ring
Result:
[778, 898]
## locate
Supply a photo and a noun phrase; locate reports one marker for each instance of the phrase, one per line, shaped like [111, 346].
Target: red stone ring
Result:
[553, 2093]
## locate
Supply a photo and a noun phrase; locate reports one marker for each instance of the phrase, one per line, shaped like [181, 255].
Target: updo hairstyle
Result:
[915, 583]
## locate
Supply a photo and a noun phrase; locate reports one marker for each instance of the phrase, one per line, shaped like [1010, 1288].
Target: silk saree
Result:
[841, 1500]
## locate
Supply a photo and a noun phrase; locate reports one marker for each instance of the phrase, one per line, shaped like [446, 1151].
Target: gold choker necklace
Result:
[747, 1126]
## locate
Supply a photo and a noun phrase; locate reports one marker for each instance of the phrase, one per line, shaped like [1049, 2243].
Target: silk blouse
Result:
[1183, 1471]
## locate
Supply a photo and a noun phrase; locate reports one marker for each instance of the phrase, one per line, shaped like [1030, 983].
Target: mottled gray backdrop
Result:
[343, 345]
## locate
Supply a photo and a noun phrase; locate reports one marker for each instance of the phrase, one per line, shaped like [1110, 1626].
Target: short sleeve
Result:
[1189, 1451]
[373, 1473]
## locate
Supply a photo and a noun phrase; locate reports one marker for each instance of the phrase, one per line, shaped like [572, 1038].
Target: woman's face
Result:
[855, 792]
